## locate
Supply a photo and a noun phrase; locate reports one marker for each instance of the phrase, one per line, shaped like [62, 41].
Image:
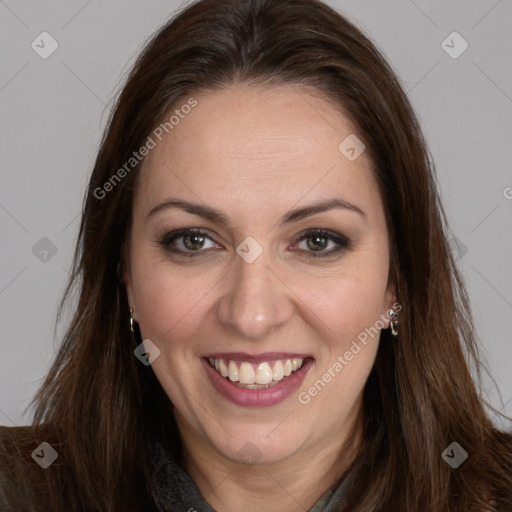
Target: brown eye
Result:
[193, 242]
[321, 243]
[317, 242]
[187, 242]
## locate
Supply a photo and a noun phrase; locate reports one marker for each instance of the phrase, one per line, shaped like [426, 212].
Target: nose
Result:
[256, 302]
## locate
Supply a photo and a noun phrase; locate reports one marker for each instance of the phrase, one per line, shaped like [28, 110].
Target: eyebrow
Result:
[218, 217]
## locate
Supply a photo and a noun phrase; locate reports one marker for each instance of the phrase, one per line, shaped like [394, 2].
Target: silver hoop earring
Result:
[131, 320]
[393, 323]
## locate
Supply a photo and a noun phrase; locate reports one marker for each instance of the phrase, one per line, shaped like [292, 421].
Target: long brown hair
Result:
[100, 406]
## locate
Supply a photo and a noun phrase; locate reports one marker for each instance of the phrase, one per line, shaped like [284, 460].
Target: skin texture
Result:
[256, 153]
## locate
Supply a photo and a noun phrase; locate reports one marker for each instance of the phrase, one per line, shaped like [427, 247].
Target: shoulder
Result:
[28, 468]
[38, 473]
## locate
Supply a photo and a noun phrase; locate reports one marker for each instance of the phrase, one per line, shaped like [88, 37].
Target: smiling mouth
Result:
[256, 375]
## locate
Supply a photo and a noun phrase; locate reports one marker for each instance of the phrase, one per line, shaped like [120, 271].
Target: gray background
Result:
[53, 112]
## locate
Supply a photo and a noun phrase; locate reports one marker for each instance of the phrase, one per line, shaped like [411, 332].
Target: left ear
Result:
[390, 298]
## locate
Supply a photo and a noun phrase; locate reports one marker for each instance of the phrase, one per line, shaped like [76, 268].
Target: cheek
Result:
[349, 308]
[174, 302]
[350, 300]
[168, 300]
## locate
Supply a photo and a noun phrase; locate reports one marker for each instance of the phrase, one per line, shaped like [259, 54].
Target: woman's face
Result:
[277, 271]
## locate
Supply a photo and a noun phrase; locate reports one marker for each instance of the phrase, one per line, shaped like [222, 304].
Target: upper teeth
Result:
[262, 373]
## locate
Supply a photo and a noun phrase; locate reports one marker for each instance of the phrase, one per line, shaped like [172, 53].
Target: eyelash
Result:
[342, 241]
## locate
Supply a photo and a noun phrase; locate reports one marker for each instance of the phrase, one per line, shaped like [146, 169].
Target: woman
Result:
[268, 315]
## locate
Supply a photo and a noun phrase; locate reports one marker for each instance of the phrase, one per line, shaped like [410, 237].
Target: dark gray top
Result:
[174, 490]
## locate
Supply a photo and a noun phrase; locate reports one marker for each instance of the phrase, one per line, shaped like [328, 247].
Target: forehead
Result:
[259, 145]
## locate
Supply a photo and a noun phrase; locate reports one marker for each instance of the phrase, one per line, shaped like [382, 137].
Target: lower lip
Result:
[257, 397]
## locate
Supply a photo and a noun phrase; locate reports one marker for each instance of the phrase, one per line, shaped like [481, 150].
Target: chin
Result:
[254, 449]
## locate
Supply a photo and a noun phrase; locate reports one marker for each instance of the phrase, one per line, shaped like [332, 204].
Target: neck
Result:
[296, 483]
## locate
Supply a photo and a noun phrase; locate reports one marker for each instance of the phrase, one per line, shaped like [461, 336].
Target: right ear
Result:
[126, 278]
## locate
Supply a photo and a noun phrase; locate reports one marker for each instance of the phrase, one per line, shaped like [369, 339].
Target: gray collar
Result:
[172, 489]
